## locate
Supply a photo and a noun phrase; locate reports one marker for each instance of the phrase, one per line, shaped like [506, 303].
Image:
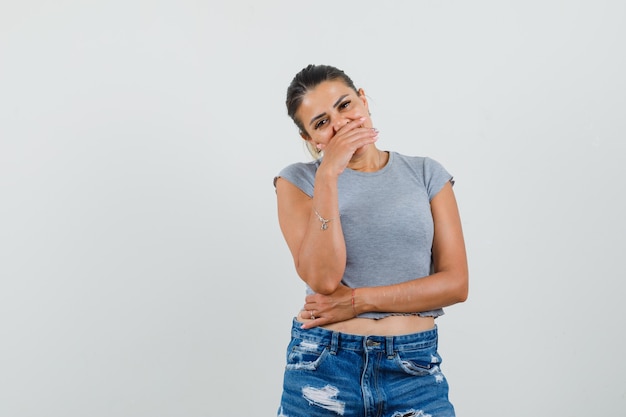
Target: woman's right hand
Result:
[343, 146]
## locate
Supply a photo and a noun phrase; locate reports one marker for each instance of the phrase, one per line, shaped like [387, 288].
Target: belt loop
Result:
[334, 343]
[389, 347]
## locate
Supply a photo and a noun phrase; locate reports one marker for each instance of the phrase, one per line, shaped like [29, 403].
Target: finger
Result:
[354, 139]
[309, 324]
[315, 308]
[361, 137]
[353, 130]
[361, 133]
[352, 124]
[309, 313]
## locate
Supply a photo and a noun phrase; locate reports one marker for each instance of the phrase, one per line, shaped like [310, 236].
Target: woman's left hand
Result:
[320, 310]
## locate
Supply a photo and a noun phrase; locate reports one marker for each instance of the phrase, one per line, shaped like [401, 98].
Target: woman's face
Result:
[328, 107]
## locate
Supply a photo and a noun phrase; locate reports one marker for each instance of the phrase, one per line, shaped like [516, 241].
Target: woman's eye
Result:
[345, 104]
[320, 123]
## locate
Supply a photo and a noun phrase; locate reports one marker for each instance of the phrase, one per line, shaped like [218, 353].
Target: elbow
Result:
[321, 283]
[461, 291]
[462, 296]
[457, 288]
[324, 288]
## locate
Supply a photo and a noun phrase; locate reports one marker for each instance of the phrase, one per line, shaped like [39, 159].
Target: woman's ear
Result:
[307, 138]
[363, 98]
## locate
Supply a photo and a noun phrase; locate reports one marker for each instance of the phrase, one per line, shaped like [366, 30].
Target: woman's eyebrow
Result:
[339, 100]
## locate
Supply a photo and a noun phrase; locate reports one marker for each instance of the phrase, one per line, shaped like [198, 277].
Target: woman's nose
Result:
[341, 123]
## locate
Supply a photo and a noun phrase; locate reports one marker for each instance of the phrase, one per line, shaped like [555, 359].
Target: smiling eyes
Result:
[323, 121]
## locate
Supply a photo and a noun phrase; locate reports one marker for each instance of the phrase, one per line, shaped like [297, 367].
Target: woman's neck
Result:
[371, 160]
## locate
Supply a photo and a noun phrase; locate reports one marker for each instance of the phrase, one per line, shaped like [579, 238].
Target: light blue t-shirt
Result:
[386, 219]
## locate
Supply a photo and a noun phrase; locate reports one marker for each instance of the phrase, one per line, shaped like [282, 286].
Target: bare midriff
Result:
[388, 326]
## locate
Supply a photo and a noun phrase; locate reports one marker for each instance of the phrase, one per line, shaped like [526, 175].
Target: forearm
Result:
[435, 291]
[322, 255]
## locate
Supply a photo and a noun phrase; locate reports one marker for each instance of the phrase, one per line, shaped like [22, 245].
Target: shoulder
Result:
[416, 161]
[427, 170]
[422, 165]
[300, 168]
[301, 174]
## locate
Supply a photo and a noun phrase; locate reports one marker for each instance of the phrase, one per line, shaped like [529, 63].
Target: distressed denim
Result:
[336, 374]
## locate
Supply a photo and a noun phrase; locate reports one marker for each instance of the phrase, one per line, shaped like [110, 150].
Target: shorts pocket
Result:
[305, 355]
[421, 362]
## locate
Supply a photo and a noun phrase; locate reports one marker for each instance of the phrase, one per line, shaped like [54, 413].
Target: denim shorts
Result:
[336, 374]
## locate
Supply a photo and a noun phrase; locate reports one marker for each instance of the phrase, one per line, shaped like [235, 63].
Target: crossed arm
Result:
[320, 257]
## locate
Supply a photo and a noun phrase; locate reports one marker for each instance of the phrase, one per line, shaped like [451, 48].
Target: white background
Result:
[142, 270]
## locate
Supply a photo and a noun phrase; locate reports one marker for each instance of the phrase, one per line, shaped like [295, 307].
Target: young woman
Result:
[376, 236]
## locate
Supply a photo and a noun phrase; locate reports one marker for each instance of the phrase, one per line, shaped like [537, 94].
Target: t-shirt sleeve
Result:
[302, 175]
[435, 177]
